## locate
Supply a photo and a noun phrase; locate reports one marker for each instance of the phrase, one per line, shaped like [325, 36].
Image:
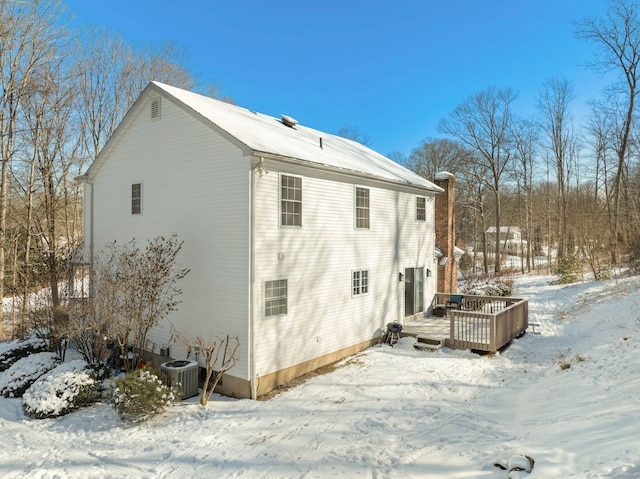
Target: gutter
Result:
[346, 172]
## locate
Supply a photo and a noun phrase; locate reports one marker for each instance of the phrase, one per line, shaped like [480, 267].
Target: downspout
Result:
[252, 362]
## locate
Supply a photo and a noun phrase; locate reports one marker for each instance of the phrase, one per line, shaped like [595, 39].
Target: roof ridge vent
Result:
[288, 121]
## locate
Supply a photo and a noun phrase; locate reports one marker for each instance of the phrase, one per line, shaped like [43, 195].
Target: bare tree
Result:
[112, 74]
[101, 99]
[133, 290]
[556, 125]
[354, 133]
[30, 32]
[524, 147]
[215, 90]
[164, 63]
[220, 355]
[482, 123]
[436, 155]
[616, 37]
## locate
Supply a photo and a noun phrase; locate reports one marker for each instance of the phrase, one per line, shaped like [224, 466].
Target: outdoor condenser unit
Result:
[183, 372]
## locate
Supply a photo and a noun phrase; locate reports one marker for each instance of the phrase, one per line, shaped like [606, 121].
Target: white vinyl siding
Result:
[204, 198]
[323, 315]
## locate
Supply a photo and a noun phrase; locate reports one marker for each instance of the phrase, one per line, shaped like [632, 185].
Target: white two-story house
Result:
[301, 243]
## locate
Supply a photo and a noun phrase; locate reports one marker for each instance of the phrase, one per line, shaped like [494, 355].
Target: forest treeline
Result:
[573, 189]
[63, 92]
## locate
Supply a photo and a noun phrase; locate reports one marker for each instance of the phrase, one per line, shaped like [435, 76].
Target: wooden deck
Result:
[484, 323]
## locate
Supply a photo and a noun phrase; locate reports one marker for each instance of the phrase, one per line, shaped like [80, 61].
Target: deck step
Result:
[426, 343]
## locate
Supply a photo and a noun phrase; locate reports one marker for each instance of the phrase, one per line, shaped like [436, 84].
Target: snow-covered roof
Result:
[266, 134]
[503, 229]
[443, 175]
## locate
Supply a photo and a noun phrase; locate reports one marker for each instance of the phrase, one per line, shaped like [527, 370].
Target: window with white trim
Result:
[360, 282]
[421, 208]
[275, 297]
[290, 201]
[136, 198]
[362, 208]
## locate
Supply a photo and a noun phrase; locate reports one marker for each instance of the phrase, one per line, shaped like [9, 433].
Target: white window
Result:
[359, 282]
[290, 201]
[275, 297]
[421, 208]
[362, 208]
[136, 198]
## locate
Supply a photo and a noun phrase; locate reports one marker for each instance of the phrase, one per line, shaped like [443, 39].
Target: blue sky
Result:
[392, 69]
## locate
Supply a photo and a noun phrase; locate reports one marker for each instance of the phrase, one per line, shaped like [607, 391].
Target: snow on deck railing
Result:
[486, 323]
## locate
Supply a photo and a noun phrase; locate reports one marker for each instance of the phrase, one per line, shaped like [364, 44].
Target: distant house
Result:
[511, 241]
[303, 244]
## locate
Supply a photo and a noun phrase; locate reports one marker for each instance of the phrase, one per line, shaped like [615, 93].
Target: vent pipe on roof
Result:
[320, 142]
[288, 121]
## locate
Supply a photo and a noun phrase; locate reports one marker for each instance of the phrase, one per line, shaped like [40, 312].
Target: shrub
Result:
[12, 351]
[569, 268]
[24, 372]
[497, 289]
[66, 388]
[141, 395]
[99, 371]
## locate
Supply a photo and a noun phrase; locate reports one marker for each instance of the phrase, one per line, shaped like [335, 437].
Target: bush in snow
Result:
[99, 371]
[498, 289]
[67, 387]
[141, 395]
[24, 372]
[12, 351]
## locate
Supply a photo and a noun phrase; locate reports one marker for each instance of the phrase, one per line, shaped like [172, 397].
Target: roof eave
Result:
[345, 171]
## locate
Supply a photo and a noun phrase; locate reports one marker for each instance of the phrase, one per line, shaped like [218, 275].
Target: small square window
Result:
[421, 208]
[136, 198]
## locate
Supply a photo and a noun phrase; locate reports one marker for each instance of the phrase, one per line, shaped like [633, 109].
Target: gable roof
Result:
[266, 135]
[269, 135]
[504, 229]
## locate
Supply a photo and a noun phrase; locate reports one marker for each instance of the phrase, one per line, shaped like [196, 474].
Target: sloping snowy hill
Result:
[568, 398]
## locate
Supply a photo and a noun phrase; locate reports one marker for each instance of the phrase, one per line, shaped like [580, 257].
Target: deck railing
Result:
[486, 323]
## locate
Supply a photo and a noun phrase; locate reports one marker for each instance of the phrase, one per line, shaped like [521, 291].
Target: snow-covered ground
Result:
[391, 412]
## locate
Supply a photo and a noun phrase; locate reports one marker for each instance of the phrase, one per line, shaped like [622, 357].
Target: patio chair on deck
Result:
[455, 301]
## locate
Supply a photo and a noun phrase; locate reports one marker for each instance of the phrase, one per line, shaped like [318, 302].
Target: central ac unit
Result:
[184, 374]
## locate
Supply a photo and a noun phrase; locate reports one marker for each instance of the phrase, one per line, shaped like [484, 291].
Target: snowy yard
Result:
[391, 412]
